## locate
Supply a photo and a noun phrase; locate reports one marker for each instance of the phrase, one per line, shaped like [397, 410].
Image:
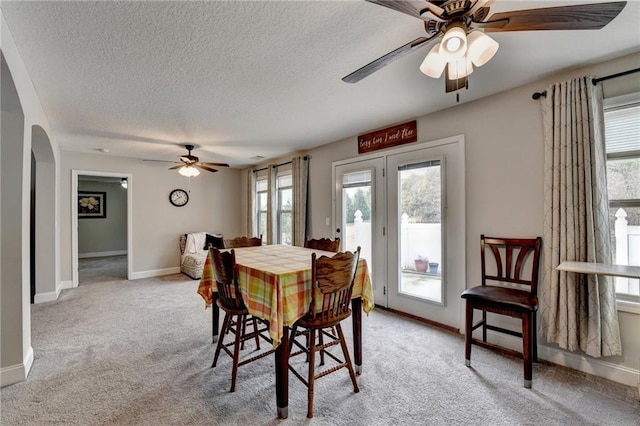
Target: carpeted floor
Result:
[93, 270]
[139, 352]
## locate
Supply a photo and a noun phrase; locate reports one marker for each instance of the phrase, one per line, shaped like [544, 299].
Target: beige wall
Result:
[213, 206]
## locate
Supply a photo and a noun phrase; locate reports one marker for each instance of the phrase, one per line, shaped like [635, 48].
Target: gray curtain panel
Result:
[251, 203]
[300, 171]
[578, 310]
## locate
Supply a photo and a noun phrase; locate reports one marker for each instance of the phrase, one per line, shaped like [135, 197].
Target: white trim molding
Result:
[155, 273]
[608, 370]
[52, 295]
[17, 373]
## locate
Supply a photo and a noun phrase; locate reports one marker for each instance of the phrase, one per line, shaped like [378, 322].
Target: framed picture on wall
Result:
[92, 205]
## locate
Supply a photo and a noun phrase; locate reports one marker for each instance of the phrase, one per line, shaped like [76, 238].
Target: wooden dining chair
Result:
[332, 284]
[236, 315]
[239, 242]
[325, 244]
[513, 292]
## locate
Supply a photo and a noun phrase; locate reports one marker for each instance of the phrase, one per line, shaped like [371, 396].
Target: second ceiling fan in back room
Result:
[189, 164]
[462, 24]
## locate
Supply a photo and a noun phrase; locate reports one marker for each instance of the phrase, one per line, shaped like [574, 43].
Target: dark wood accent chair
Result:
[239, 242]
[236, 315]
[332, 279]
[511, 294]
[325, 244]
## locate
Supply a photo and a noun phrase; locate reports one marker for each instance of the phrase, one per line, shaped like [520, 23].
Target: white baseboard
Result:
[18, 372]
[102, 254]
[155, 273]
[608, 370]
[49, 296]
[52, 295]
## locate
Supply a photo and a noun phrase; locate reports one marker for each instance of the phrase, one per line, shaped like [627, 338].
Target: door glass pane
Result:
[357, 206]
[420, 236]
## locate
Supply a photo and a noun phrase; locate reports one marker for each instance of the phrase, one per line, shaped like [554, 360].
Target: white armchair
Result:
[193, 252]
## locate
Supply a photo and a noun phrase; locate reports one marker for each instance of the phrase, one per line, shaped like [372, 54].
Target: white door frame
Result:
[459, 141]
[74, 218]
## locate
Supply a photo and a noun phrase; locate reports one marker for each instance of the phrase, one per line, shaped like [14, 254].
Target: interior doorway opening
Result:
[101, 228]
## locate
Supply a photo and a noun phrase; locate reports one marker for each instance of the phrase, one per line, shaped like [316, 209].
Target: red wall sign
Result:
[386, 138]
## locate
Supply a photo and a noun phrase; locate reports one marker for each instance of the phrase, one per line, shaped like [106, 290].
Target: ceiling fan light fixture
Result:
[481, 48]
[433, 64]
[459, 68]
[189, 171]
[454, 43]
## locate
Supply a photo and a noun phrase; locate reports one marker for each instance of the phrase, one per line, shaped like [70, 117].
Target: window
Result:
[281, 201]
[285, 208]
[622, 138]
[261, 205]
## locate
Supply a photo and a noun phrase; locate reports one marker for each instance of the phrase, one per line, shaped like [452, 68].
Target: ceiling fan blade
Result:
[159, 161]
[179, 166]
[207, 163]
[412, 8]
[200, 166]
[591, 16]
[385, 60]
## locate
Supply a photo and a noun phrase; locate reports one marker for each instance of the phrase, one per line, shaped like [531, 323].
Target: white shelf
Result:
[600, 269]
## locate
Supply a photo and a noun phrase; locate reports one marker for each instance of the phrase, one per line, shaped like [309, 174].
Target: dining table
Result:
[275, 283]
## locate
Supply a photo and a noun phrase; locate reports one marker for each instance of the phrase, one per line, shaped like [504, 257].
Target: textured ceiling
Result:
[246, 78]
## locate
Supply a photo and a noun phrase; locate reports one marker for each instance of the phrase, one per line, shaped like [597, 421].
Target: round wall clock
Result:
[179, 197]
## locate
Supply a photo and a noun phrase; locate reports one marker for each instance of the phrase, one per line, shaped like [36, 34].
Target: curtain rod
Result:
[278, 165]
[538, 95]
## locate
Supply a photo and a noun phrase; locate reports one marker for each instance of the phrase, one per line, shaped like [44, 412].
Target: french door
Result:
[406, 210]
[359, 216]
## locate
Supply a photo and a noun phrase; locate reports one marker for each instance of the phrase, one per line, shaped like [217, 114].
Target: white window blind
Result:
[622, 129]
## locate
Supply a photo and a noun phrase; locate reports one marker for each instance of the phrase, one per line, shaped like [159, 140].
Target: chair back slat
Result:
[224, 268]
[332, 279]
[324, 244]
[243, 241]
[521, 249]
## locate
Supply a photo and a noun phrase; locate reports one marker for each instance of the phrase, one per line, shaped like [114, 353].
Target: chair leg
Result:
[534, 338]
[526, 349]
[236, 354]
[223, 333]
[312, 367]
[292, 338]
[255, 329]
[321, 342]
[484, 326]
[242, 329]
[347, 358]
[467, 333]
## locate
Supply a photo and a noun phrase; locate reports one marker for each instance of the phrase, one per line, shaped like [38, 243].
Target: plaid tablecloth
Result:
[275, 282]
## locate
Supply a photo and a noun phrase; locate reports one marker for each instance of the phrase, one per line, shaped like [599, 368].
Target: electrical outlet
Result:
[327, 221]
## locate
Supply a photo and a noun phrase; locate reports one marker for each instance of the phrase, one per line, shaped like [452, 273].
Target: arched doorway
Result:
[43, 217]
